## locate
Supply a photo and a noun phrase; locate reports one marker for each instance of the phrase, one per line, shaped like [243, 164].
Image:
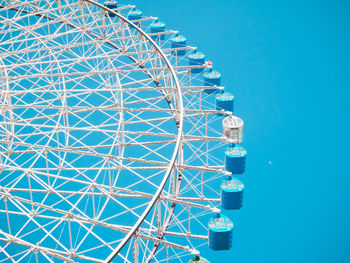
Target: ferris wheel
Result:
[110, 149]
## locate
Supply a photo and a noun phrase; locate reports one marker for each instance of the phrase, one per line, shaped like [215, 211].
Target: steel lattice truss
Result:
[99, 128]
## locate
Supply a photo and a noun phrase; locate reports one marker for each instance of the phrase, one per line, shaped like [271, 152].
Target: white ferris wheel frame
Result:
[179, 117]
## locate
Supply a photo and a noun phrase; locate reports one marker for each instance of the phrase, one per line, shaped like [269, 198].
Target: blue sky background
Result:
[287, 63]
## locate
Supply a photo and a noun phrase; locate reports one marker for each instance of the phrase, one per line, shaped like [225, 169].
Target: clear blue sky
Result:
[287, 63]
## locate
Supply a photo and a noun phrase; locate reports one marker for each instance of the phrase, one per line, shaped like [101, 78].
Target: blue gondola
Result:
[196, 58]
[224, 101]
[135, 14]
[178, 41]
[220, 232]
[158, 27]
[235, 159]
[231, 194]
[211, 78]
[111, 5]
